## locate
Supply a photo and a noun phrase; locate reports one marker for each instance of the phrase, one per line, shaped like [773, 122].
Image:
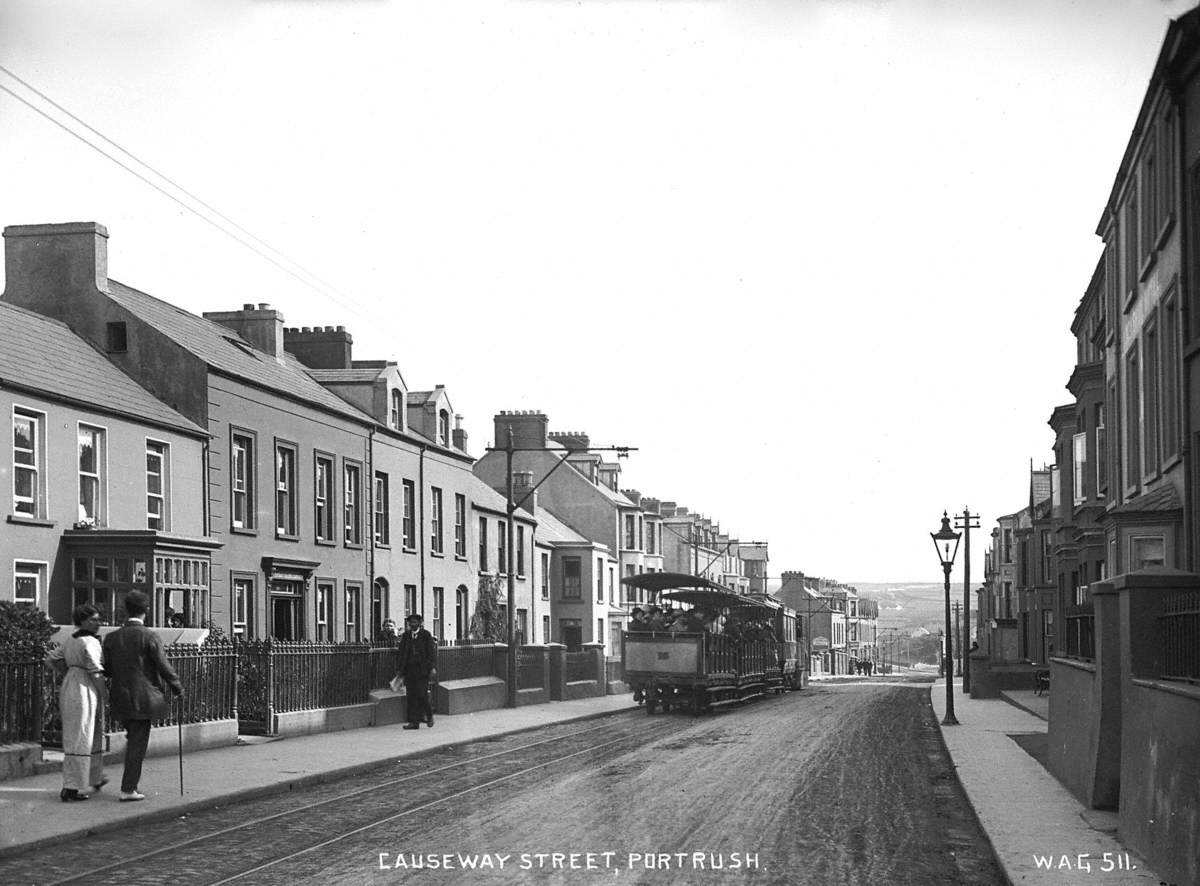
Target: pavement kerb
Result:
[1008, 880]
[187, 807]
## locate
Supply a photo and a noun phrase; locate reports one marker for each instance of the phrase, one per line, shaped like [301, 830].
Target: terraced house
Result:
[327, 496]
[104, 493]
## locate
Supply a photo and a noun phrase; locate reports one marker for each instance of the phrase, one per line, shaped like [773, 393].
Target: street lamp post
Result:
[945, 541]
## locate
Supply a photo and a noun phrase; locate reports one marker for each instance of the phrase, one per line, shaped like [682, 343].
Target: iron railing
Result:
[464, 662]
[22, 693]
[208, 674]
[1080, 628]
[1179, 627]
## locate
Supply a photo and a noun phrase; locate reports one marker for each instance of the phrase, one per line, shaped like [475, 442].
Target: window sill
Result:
[1147, 266]
[354, 545]
[437, 555]
[1165, 232]
[279, 536]
[18, 520]
[243, 530]
[1130, 298]
[408, 549]
[325, 542]
[461, 558]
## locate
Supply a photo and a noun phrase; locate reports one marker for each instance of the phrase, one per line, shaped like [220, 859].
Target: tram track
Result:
[227, 853]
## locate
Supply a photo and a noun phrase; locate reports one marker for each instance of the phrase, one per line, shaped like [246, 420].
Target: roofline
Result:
[365, 420]
[1167, 54]
[108, 410]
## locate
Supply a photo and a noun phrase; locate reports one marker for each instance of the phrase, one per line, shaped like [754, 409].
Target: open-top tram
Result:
[734, 647]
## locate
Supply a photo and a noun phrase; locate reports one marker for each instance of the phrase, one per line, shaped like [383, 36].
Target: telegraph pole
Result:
[963, 521]
[511, 507]
[958, 639]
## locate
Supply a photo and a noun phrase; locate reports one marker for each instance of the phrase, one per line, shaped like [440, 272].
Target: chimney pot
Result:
[263, 306]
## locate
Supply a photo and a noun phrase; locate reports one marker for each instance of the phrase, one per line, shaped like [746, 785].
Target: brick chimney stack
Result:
[320, 348]
[261, 326]
[528, 426]
[47, 266]
[523, 486]
[459, 435]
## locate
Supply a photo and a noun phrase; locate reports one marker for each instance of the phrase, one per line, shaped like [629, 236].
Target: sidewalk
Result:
[1024, 810]
[31, 813]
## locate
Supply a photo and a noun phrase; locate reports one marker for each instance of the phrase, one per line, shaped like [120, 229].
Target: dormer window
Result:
[396, 417]
[443, 430]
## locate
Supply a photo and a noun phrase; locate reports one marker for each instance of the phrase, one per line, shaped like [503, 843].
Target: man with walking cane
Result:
[136, 664]
[417, 656]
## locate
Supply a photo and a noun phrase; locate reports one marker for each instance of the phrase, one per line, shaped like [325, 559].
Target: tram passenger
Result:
[637, 621]
[657, 620]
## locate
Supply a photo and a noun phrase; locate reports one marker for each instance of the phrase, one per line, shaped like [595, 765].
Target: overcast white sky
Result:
[817, 261]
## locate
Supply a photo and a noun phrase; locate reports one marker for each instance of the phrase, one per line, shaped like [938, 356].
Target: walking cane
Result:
[179, 720]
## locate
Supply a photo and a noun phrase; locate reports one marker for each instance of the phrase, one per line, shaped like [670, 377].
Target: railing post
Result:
[556, 654]
[269, 654]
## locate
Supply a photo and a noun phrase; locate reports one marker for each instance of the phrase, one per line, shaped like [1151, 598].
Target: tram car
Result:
[731, 648]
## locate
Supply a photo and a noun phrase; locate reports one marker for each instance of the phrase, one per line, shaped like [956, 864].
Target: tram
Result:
[737, 646]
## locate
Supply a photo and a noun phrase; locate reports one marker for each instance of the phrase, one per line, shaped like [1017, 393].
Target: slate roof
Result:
[487, 497]
[553, 529]
[1161, 498]
[345, 375]
[615, 497]
[43, 355]
[224, 350]
[1041, 486]
[416, 398]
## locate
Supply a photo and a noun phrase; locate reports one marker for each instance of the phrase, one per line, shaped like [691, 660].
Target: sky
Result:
[815, 261]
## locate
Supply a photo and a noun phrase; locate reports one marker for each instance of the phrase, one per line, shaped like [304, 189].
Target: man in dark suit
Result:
[418, 658]
[136, 664]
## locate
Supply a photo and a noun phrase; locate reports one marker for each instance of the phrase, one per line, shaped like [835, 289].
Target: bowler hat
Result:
[415, 617]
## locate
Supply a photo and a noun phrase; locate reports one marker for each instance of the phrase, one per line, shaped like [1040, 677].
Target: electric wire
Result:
[262, 249]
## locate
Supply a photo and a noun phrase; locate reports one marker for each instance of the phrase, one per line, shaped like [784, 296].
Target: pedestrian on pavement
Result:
[81, 700]
[418, 661]
[138, 668]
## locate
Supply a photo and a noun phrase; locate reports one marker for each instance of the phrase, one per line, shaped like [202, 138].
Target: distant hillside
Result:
[908, 606]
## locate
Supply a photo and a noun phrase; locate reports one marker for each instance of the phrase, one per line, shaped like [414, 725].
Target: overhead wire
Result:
[259, 246]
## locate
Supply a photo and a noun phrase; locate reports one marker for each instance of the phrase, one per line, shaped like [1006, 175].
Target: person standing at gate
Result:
[81, 700]
[137, 667]
[418, 659]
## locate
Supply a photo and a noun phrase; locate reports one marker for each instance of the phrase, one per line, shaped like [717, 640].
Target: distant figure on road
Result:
[81, 700]
[137, 666]
[417, 655]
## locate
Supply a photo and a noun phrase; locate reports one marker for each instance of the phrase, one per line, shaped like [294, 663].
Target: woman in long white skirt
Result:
[81, 700]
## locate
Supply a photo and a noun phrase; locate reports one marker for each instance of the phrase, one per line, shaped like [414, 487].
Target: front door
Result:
[287, 610]
[572, 634]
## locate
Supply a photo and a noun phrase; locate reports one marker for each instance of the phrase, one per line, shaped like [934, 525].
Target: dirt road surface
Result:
[844, 784]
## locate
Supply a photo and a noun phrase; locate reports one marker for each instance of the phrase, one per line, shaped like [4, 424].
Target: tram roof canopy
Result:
[669, 581]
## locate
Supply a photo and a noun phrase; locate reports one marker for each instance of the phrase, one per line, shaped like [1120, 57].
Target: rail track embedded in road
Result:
[234, 852]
